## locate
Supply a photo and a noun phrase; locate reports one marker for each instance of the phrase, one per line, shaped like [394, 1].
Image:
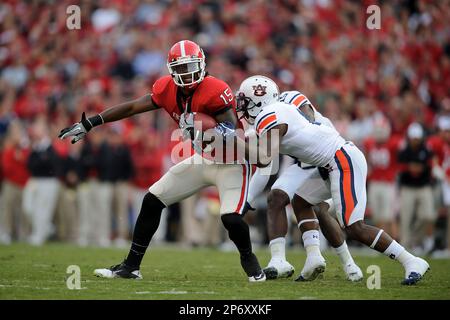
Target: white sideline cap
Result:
[415, 131]
[444, 123]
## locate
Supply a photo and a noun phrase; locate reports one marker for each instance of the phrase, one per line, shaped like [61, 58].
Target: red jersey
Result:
[437, 145]
[442, 150]
[446, 162]
[212, 96]
[14, 163]
[382, 159]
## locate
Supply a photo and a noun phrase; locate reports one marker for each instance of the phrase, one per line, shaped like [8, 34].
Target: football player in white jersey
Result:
[298, 183]
[287, 129]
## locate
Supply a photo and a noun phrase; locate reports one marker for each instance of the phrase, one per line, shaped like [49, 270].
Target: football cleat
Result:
[278, 269]
[258, 278]
[314, 266]
[119, 271]
[415, 271]
[353, 272]
[252, 268]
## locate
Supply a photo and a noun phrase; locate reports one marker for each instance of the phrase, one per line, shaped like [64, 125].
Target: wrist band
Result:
[96, 120]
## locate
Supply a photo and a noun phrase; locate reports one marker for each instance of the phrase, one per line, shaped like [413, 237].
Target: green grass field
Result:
[171, 273]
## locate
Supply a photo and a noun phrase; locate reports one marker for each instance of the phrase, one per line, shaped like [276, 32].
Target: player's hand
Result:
[186, 124]
[77, 130]
[225, 129]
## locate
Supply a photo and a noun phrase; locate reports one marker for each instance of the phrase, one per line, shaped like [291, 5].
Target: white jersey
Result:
[309, 142]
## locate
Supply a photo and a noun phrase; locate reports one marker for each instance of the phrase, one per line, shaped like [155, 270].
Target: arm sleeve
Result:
[258, 182]
[256, 187]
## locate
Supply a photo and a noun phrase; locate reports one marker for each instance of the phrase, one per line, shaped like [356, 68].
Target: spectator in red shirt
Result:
[381, 154]
[14, 224]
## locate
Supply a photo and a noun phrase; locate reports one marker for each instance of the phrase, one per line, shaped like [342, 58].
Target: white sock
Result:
[428, 243]
[344, 255]
[277, 248]
[397, 252]
[311, 241]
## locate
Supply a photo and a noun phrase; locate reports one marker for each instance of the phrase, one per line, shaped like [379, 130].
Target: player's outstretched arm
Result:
[128, 109]
[118, 112]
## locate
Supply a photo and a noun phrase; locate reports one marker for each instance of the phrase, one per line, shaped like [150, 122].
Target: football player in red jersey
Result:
[186, 90]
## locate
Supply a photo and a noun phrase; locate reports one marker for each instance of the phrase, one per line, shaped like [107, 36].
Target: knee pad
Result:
[232, 221]
[238, 232]
[151, 203]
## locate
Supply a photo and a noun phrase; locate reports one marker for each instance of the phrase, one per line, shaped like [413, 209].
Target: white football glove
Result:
[186, 125]
[77, 130]
[188, 130]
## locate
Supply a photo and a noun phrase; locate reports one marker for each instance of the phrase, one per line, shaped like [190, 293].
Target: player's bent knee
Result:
[151, 203]
[277, 199]
[321, 210]
[232, 221]
[299, 204]
[355, 230]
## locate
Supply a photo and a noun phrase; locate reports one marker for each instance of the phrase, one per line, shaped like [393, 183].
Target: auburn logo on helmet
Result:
[259, 90]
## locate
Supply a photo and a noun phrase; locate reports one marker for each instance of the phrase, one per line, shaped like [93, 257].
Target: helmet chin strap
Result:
[191, 85]
[188, 89]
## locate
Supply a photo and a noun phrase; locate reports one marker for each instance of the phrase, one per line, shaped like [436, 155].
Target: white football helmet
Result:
[254, 94]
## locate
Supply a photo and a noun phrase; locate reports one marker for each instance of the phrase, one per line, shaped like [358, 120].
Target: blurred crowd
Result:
[387, 90]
